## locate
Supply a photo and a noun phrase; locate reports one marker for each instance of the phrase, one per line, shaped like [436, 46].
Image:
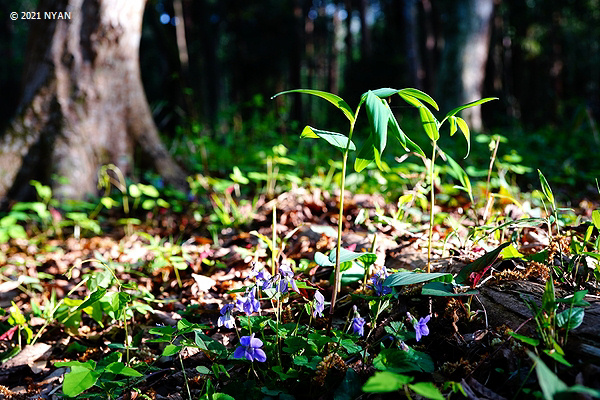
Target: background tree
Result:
[83, 103]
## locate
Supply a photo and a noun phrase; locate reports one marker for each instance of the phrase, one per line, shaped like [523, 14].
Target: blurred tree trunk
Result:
[411, 40]
[83, 103]
[462, 74]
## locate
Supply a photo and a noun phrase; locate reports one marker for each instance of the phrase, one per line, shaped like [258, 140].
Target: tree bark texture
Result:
[467, 25]
[83, 103]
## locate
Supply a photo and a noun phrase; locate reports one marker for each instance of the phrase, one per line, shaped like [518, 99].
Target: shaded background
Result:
[541, 59]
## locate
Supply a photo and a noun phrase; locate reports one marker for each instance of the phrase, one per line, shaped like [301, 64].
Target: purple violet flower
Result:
[358, 323]
[262, 276]
[378, 280]
[420, 326]
[250, 349]
[287, 278]
[226, 319]
[248, 304]
[319, 303]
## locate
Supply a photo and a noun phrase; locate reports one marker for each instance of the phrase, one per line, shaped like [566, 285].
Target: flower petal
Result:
[260, 355]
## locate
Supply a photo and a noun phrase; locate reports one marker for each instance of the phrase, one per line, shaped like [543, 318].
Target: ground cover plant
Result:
[262, 283]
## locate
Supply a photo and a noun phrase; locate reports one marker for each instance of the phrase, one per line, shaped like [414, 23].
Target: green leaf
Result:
[171, 349]
[401, 361]
[430, 124]
[415, 147]
[366, 155]
[333, 138]
[411, 278]
[510, 252]
[453, 127]
[347, 255]
[208, 344]
[570, 318]
[78, 380]
[550, 384]
[468, 105]
[482, 262]
[555, 355]
[149, 190]
[378, 115]
[576, 300]
[134, 191]
[460, 174]
[546, 189]
[350, 387]
[444, 289]
[462, 124]
[330, 97]
[416, 93]
[525, 339]
[381, 93]
[121, 369]
[395, 128]
[596, 218]
[383, 382]
[203, 370]
[427, 390]
[92, 298]
[322, 260]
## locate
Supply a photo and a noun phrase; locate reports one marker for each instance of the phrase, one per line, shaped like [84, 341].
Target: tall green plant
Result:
[381, 117]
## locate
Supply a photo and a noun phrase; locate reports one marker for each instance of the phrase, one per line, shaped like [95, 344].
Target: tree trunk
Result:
[467, 35]
[83, 103]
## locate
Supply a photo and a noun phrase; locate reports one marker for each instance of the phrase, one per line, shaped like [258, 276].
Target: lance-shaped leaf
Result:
[330, 97]
[444, 289]
[417, 94]
[394, 127]
[333, 138]
[464, 128]
[411, 278]
[457, 172]
[430, 124]
[468, 105]
[453, 127]
[366, 155]
[546, 189]
[481, 263]
[378, 115]
[347, 255]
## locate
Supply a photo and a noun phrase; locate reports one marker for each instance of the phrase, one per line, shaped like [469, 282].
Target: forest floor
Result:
[134, 313]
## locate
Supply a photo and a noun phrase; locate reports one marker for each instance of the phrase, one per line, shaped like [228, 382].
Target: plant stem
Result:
[432, 201]
[337, 276]
[274, 243]
[185, 377]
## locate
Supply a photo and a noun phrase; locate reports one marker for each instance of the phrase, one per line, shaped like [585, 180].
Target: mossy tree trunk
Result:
[83, 104]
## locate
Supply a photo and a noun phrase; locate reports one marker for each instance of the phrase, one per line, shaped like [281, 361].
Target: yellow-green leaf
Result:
[462, 124]
[333, 138]
[330, 97]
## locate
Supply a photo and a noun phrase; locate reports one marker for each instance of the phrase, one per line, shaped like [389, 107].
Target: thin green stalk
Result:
[432, 201]
[185, 377]
[127, 344]
[274, 242]
[337, 278]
